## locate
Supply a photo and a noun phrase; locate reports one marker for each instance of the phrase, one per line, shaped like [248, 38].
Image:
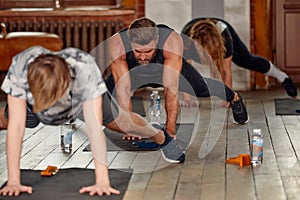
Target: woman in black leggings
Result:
[224, 45]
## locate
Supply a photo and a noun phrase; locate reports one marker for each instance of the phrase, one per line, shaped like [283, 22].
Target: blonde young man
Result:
[55, 87]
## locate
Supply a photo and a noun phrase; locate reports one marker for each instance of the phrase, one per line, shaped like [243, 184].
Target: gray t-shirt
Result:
[86, 83]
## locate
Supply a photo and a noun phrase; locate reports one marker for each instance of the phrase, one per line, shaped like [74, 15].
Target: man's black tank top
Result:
[152, 74]
[164, 32]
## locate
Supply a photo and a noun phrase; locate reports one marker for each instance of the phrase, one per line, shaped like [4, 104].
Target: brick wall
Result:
[252, 40]
[139, 8]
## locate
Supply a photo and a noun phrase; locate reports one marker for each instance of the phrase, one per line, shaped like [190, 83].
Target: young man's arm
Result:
[173, 49]
[92, 112]
[15, 133]
[120, 72]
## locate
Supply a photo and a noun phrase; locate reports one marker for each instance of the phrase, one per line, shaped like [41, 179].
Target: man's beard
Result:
[144, 62]
[147, 61]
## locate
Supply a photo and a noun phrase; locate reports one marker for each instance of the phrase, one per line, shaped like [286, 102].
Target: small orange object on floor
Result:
[49, 171]
[242, 160]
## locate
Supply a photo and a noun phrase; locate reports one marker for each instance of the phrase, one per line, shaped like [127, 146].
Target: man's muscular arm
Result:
[119, 68]
[173, 49]
[120, 72]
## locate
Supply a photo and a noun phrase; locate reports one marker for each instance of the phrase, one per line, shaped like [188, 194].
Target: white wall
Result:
[237, 13]
[208, 8]
[176, 13]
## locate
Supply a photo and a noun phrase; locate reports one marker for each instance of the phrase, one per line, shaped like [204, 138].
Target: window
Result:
[72, 3]
[10, 4]
[7, 4]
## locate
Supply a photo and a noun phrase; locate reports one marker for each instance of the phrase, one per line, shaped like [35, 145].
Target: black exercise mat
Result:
[116, 143]
[65, 185]
[287, 106]
[138, 106]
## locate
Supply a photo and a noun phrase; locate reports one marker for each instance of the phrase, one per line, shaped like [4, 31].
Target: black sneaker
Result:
[149, 145]
[240, 115]
[290, 87]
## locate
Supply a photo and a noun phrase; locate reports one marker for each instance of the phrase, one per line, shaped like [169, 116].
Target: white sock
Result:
[276, 73]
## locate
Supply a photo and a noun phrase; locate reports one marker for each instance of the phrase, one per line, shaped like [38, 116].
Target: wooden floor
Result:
[198, 178]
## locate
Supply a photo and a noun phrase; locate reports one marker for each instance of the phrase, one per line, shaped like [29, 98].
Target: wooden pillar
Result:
[261, 38]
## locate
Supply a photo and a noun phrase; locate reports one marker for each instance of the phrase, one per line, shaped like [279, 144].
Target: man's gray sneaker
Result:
[171, 151]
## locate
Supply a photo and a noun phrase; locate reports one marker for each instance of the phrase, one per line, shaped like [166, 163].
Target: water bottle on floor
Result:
[154, 106]
[257, 144]
[66, 137]
[68, 142]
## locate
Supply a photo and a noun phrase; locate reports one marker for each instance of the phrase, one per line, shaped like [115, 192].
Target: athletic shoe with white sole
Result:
[290, 87]
[239, 111]
[171, 151]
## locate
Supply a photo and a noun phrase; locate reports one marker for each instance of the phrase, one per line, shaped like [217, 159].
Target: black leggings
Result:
[190, 82]
[244, 58]
[200, 86]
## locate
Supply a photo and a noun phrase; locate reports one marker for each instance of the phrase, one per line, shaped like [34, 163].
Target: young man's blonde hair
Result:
[48, 79]
[209, 36]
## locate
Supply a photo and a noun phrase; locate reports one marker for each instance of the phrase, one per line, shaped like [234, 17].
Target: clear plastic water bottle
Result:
[257, 144]
[154, 106]
[68, 142]
[67, 130]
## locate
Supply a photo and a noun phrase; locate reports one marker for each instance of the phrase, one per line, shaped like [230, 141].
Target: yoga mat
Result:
[66, 183]
[287, 106]
[138, 106]
[115, 142]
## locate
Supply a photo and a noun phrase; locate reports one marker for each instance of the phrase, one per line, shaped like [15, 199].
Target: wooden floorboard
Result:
[200, 177]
